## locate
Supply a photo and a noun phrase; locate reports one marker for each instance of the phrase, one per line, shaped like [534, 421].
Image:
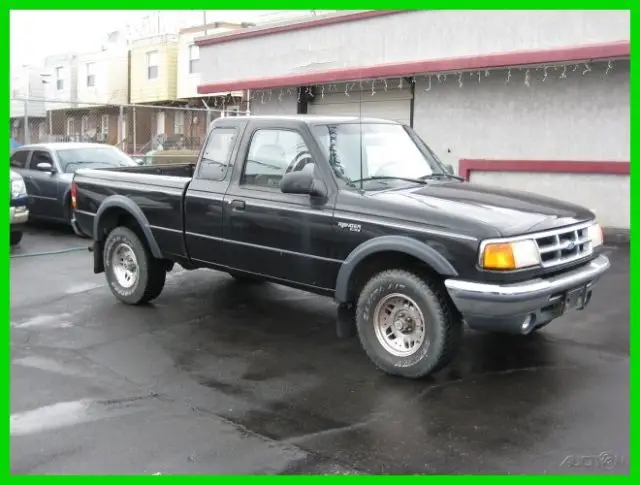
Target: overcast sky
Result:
[35, 34]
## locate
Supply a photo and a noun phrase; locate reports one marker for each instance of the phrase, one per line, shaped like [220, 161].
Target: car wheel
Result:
[15, 238]
[134, 275]
[406, 325]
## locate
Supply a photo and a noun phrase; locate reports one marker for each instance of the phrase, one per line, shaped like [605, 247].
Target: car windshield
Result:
[374, 155]
[71, 159]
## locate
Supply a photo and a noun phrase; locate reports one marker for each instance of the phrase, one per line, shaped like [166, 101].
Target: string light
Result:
[563, 74]
[609, 67]
[429, 86]
[312, 92]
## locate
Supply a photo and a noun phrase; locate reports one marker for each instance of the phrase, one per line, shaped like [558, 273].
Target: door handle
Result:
[237, 205]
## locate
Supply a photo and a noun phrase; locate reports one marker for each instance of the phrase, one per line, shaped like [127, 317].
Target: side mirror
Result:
[448, 168]
[302, 182]
[45, 167]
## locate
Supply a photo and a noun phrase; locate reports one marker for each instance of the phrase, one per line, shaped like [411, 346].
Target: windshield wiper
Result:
[442, 175]
[389, 177]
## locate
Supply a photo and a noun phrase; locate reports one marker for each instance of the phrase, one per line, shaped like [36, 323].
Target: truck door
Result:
[286, 236]
[204, 197]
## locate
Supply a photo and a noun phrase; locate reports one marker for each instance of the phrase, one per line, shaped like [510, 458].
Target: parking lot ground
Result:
[221, 377]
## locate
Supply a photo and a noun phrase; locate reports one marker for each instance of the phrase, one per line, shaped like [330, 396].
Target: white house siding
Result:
[67, 96]
[27, 83]
[408, 36]
[111, 78]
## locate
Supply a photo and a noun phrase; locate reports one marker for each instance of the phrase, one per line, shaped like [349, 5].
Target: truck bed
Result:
[171, 169]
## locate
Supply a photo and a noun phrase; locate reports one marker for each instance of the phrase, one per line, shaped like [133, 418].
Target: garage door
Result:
[394, 104]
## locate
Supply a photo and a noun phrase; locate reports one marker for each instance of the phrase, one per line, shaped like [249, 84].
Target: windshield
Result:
[376, 153]
[92, 157]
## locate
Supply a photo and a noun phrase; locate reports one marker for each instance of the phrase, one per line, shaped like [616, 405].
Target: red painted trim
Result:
[543, 166]
[299, 25]
[565, 54]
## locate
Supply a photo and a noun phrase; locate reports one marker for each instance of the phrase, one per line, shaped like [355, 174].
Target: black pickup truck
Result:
[360, 210]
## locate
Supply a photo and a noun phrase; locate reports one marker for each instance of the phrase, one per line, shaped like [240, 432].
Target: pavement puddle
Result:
[71, 413]
[82, 288]
[48, 365]
[46, 321]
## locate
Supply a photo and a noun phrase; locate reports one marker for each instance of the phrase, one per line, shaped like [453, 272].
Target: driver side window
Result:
[273, 153]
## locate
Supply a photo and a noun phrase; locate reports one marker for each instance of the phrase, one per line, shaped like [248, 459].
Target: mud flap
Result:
[346, 321]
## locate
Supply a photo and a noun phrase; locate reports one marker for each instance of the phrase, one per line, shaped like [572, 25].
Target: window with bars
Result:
[178, 123]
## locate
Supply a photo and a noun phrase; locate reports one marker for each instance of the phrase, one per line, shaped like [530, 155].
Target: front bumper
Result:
[520, 307]
[18, 216]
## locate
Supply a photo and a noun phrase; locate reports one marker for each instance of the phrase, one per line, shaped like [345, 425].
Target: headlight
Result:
[18, 188]
[510, 255]
[595, 234]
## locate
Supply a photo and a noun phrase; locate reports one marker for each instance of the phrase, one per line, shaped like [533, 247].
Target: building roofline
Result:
[294, 25]
[583, 53]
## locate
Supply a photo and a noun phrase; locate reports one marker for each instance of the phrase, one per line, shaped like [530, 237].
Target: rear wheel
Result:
[15, 238]
[406, 325]
[134, 275]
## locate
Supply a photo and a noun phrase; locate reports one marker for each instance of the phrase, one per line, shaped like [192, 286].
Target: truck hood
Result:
[509, 212]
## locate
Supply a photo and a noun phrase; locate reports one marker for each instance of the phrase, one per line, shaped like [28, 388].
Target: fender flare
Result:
[125, 203]
[401, 244]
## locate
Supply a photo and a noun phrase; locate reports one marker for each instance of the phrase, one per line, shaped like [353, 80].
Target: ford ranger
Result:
[359, 210]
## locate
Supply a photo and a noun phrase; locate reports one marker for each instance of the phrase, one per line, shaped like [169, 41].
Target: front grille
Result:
[564, 245]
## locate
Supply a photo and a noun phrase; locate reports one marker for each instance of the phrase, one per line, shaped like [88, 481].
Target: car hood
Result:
[509, 212]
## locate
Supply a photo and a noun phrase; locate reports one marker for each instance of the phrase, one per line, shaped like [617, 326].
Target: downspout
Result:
[412, 103]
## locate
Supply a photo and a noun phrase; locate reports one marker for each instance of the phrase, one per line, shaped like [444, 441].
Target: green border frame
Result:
[338, 5]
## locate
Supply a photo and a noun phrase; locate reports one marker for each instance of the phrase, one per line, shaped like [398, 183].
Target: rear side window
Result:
[19, 159]
[217, 154]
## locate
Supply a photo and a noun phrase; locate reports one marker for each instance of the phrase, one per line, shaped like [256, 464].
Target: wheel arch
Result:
[387, 251]
[111, 211]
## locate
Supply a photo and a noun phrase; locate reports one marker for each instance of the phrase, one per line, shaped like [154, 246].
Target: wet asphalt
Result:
[218, 377]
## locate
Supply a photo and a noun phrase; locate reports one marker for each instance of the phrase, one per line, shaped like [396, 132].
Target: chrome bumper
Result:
[503, 307]
[18, 215]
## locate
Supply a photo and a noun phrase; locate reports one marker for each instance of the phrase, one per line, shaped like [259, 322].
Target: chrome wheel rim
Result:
[125, 265]
[399, 325]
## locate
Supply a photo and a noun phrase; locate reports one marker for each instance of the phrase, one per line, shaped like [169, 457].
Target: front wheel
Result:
[406, 325]
[133, 274]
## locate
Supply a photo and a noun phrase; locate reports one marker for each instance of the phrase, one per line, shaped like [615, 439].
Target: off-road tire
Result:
[15, 238]
[443, 324]
[151, 271]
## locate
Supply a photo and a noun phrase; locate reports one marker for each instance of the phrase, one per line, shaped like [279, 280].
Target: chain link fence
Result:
[149, 133]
